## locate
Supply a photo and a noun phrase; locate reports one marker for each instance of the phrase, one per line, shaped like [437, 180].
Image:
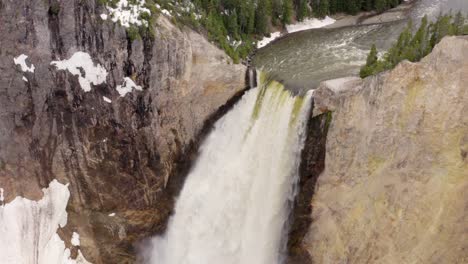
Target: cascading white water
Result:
[234, 204]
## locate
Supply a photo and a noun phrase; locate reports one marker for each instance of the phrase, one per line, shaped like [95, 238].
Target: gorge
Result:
[162, 150]
[251, 158]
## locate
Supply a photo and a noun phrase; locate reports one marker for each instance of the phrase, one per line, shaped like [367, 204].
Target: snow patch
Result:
[25, 79]
[2, 198]
[266, 40]
[28, 229]
[21, 61]
[128, 13]
[112, 214]
[166, 12]
[127, 86]
[90, 74]
[310, 24]
[75, 240]
[106, 99]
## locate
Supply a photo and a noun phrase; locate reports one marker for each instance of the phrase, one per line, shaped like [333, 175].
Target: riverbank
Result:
[341, 20]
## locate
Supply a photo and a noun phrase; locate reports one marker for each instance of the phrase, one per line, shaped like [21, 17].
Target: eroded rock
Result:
[119, 154]
[395, 184]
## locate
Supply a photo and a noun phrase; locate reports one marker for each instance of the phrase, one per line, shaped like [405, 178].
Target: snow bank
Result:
[309, 24]
[95, 74]
[266, 40]
[304, 25]
[28, 229]
[128, 13]
[127, 86]
[21, 61]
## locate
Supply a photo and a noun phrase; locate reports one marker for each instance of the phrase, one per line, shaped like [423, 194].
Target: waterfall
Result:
[235, 202]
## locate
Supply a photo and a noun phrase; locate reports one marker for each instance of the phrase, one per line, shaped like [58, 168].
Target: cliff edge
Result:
[395, 184]
[117, 117]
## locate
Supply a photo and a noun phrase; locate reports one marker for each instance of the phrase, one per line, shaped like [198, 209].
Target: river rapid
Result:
[303, 59]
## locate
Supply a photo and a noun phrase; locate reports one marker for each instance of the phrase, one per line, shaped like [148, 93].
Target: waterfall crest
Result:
[234, 205]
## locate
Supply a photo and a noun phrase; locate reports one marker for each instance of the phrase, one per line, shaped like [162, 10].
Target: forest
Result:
[235, 25]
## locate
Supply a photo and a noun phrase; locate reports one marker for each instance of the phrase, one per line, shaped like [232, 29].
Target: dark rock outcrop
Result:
[118, 157]
[312, 165]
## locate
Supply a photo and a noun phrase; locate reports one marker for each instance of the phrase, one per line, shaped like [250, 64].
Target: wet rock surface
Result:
[312, 165]
[119, 156]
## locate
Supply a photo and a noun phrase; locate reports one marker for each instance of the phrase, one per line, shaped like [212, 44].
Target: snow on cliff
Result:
[82, 65]
[28, 229]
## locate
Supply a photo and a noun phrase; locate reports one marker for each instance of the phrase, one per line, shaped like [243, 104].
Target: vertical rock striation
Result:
[395, 184]
[117, 152]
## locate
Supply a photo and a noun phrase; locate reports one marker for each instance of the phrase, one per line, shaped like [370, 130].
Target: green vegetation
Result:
[414, 47]
[244, 21]
[236, 25]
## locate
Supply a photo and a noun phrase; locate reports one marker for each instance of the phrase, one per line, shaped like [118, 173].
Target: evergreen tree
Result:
[372, 57]
[412, 47]
[371, 63]
[333, 6]
[368, 5]
[287, 12]
[459, 23]
[353, 6]
[232, 24]
[261, 17]
[323, 8]
[419, 42]
[276, 12]
[251, 19]
[380, 5]
[303, 10]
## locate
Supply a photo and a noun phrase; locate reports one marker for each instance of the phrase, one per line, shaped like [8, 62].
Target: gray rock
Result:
[120, 156]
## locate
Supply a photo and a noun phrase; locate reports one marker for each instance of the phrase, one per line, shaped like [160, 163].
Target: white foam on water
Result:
[234, 206]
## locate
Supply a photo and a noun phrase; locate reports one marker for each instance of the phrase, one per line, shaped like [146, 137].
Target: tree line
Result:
[248, 20]
[414, 46]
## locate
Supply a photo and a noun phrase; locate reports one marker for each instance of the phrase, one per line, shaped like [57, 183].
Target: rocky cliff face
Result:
[120, 154]
[395, 184]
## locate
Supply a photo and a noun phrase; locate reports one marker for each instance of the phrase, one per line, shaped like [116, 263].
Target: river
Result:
[303, 59]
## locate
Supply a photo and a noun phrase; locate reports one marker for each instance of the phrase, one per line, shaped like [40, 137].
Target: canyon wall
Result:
[395, 183]
[121, 139]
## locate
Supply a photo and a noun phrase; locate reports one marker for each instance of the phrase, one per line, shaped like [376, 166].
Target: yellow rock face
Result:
[395, 186]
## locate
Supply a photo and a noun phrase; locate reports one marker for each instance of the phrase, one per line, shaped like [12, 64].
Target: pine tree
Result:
[380, 5]
[261, 17]
[303, 10]
[372, 57]
[459, 23]
[368, 5]
[251, 19]
[323, 8]
[353, 6]
[371, 63]
[287, 11]
[419, 42]
[276, 12]
[232, 25]
[412, 47]
[333, 6]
